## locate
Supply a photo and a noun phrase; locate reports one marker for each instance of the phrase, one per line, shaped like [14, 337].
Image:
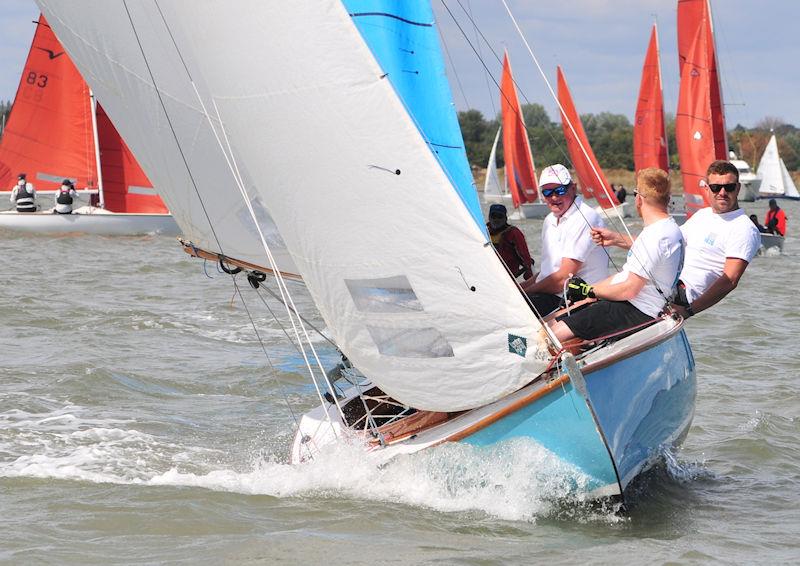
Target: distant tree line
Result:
[611, 138]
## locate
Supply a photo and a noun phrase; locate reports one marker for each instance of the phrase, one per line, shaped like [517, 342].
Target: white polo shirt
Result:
[571, 237]
[710, 240]
[656, 256]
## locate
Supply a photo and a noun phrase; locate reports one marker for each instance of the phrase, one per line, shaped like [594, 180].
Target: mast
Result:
[101, 200]
[661, 95]
[717, 102]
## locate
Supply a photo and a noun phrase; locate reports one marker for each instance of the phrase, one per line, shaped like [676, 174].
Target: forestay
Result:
[191, 174]
[397, 265]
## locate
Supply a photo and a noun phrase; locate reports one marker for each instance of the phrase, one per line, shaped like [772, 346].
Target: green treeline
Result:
[611, 137]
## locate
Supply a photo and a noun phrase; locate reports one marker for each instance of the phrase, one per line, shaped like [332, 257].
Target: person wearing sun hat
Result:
[567, 246]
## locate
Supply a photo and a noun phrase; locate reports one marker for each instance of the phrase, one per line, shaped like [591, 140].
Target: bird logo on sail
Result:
[517, 345]
[50, 53]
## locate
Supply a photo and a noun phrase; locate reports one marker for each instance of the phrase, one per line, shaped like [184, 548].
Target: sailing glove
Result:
[578, 290]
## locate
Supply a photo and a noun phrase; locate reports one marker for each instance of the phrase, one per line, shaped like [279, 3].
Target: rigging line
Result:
[240, 185]
[305, 320]
[266, 354]
[489, 74]
[169, 120]
[279, 276]
[612, 220]
[453, 66]
[485, 78]
[564, 116]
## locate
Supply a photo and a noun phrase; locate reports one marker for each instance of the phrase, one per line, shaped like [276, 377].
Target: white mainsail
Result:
[492, 186]
[775, 177]
[424, 308]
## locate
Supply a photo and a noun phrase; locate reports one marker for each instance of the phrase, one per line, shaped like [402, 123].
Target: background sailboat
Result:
[649, 132]
[493, 190]
[700, 119]
[591, 179]
[776, 182]
[443, 330]
[55, 132]
[520, 169]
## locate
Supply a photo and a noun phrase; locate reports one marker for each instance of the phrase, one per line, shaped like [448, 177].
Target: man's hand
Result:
[682, 311]
[578, 290]
[605, 238]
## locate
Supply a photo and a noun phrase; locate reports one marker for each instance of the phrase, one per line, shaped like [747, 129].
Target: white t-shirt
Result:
[710, 239]
[656, 255]
[571, 237]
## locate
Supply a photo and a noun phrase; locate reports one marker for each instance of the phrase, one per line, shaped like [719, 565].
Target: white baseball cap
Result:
[555, 175]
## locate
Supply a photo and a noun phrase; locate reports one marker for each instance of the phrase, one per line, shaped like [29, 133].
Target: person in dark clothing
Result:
[622, 194]
[510, 243]
[761, 227]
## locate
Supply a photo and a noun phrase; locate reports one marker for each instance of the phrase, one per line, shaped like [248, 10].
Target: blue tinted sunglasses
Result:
[560, 191]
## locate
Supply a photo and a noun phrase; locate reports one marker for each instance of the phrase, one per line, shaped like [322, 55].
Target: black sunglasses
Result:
[560, 191]
[729, 187]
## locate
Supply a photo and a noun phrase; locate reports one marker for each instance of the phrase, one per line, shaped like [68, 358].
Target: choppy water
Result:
[141, 422]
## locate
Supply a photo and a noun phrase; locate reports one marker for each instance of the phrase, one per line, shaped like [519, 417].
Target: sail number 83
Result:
[36, 79]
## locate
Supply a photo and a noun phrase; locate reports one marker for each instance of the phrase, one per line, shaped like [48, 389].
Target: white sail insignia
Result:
[420, 303]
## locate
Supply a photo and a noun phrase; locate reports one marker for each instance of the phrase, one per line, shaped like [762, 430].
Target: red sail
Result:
[649, 135]
[49, 132]
[692, 14]
[693, 129]
[592, 181]
[126, 188]
[520, 172]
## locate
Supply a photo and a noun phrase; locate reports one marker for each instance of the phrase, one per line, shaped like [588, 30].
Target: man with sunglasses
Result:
[720, 243]
[567, 247]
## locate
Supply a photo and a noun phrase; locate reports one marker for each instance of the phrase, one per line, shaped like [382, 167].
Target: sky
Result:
[600, 44]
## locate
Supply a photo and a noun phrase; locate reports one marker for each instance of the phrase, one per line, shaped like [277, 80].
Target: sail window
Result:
[410, 342]
[388, 294]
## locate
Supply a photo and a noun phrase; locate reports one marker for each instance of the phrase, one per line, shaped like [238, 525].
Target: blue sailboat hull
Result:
[615, 426]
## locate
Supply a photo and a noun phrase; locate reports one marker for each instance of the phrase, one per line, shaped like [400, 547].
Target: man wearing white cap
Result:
[567, 246]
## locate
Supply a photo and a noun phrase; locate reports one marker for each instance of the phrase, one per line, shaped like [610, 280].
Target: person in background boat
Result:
[567, 247]
[638, 293]
[720, 243]
[510, 243]
[757, 224]
[621, 193]
[64, 198]
[775, 220]
[23, 195]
